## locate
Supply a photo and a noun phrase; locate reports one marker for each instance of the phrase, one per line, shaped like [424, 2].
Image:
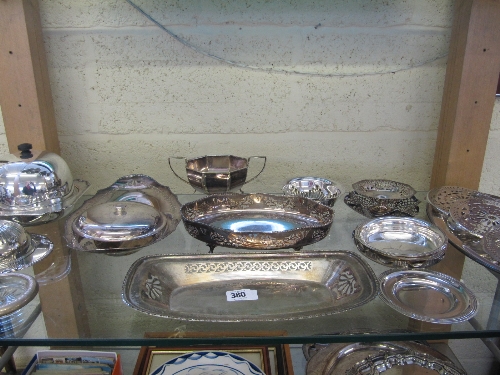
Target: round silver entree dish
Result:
[383, 189]
[20, 249]
[401, 242]
[257, 221]
[37, 187]
[134, 212]
[317, 188]
[427, 296]
[217, 173]
[16, 291]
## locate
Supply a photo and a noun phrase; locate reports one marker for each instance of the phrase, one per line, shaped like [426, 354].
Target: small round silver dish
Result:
[428, 296]
[20, 249]
[383, 189]
[316, 188]
[16, 292]
[401, 242]
[134, 212]
[217, 173]
[37, 187]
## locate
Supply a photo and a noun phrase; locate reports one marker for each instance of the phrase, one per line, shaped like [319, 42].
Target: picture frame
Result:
[271, 359]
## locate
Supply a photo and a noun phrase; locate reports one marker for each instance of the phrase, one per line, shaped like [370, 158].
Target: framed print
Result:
[271, 359]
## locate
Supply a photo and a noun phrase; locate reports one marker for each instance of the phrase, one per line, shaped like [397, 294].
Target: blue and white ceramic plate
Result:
[208, 363]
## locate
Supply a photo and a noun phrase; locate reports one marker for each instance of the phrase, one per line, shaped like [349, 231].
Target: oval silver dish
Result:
[257, 221]
[402, 242]
[317, 188]
[288, 285]
[383, 189]
[427, 296]
[152, 212]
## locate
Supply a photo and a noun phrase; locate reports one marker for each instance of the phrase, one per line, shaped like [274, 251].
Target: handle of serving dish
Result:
[172, 169]
[257, 175]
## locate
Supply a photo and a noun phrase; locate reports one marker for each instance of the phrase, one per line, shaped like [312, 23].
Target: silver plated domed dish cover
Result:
[20, 249]
[428, 296]
[17, 290]
[317, 188]
[217, 173]
[401, 242]
[37, 187]
[134, 212]
[257, 221]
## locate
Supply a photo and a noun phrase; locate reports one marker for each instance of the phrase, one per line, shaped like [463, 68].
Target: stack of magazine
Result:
[62, 362]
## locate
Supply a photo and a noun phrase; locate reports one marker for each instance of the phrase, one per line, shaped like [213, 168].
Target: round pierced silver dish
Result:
[443, 197]
[20, 249]
[316, 188]
[475, 216]
[16, 291]
[491, 244]
[375, 207]
[428, 296]
[383, 189]
[401, 242]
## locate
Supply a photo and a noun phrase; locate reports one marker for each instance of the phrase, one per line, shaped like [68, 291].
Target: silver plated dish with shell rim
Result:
[20, 249]
[428, 296]
[288, 285]
[373, 358]
[134, 212]
[316, 188]
[257, 221]
[401, 242]
[471, 245]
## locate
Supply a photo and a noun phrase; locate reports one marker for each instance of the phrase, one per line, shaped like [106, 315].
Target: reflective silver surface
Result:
[316, 188]
[16, 291]
[364, 358]
[475, 216]
[288, 285]
[37, 190]
[257, 221]
[383, 189]
[217, 173]
[428, 296]
[19, 249]
[443, 197]
[134, 212]
[401, 242]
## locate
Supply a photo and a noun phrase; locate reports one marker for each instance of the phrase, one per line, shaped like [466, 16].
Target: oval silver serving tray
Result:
[212, 174]
[20, 249]
[134, 212]
[401, 242]
[317, 188]
[427, 296]
[383, 189]
[365, 358]
[257, 221]
[288, 285]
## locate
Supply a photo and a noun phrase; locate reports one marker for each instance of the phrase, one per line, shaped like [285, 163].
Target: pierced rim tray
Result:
[471, 245]
[132, 190]
[428, 296]
[288, 285]
[383, 189]
[257, 221]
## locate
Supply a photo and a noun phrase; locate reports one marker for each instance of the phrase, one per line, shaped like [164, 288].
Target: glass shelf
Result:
[101, 318]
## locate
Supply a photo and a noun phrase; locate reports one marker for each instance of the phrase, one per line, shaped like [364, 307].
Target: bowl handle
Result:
[172, 169]
[257, 175]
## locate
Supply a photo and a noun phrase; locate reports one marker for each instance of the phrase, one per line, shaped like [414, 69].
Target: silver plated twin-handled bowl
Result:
[316, 188]
[217, 173]
[402, 242]
[134, 212]
[257, 221]
[37, 187]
